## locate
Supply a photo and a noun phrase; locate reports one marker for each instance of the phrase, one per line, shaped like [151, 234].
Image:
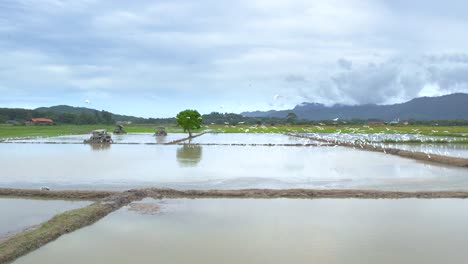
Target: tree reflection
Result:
[189, 155]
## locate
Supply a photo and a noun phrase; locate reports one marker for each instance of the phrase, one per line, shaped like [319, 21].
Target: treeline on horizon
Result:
[20, 116]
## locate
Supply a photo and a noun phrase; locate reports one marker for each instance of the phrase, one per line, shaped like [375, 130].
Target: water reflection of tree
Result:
[100, 147]
[189, 155]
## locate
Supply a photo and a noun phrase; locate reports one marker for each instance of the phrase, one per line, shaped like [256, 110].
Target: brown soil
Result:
[297, 193]
[243, 193]
[145, 208]
[73, 195]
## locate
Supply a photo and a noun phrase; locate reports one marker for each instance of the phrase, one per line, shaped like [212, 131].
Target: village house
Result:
[41, 121]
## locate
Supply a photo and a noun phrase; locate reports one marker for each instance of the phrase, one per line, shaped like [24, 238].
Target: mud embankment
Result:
[452, 161]
[72, 195]
[184, 139]
[242, 193]
[298, 193]
[33, 238]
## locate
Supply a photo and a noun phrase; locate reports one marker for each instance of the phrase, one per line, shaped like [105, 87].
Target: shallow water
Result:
[271, 231]
[18, 214]
[377, 137]
[450, 150]
[249, 138]
[121, 167]
[136, 138]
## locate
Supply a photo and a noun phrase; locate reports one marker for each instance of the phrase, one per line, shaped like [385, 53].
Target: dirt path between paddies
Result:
[242, 193]
[31, 239]
[69, 195]
[453, 161]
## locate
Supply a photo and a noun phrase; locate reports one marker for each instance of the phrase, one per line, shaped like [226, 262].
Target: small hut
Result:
[160, 131]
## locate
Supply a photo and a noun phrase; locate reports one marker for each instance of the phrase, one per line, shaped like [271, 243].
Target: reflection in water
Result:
[99, 147]
[161, 139]
[232, 231]
[189, 155]
[222, 167]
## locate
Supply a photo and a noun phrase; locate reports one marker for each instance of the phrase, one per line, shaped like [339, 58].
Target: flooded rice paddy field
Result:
[130, 138]
[269, 231]
[459, 150]
[450, 150]
[121, 167]
[18, 214]
[378, 137]
[249, 138]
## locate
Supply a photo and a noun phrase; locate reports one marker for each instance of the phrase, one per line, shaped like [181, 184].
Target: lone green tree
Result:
[189, 120]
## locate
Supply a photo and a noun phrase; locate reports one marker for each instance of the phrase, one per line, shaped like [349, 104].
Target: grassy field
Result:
[10, 131]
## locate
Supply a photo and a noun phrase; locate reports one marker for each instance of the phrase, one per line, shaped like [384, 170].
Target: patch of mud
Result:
[145, 208]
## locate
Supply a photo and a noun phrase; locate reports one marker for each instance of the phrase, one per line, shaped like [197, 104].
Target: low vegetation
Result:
[15, 131]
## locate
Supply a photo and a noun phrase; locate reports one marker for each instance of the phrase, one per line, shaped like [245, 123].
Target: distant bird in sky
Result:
[87, 101]
[277, 96]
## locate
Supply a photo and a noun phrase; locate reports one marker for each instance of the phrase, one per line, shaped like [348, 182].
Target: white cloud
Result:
[237, 53]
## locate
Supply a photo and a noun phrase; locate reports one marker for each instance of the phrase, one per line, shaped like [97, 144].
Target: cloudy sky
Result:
[155, 58]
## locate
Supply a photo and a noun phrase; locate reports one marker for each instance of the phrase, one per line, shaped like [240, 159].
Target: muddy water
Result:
[18, 214]
[271, 231]
[121, 167]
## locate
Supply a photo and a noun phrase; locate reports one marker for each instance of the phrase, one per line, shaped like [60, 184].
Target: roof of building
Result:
[40, 119]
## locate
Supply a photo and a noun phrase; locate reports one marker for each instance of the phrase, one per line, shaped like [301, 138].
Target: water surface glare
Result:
[18, 214]
[121, 167]
[271, 231]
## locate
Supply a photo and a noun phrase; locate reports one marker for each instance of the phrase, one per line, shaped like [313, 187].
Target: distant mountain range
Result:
[453, 106]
